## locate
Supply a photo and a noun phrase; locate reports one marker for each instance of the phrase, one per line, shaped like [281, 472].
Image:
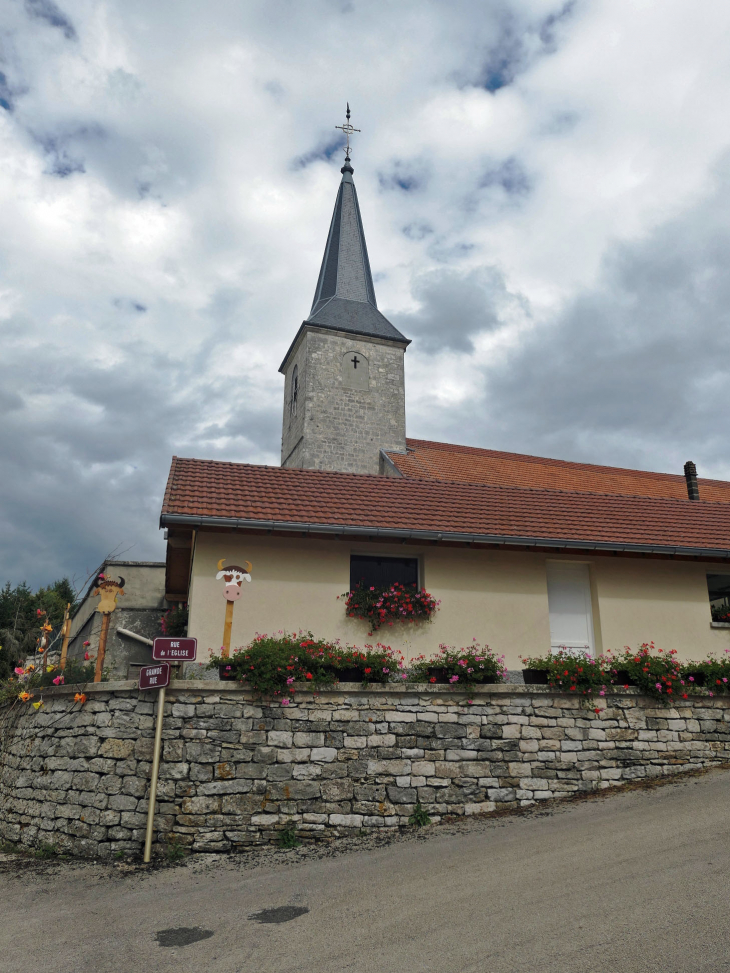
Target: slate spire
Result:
[345, 297]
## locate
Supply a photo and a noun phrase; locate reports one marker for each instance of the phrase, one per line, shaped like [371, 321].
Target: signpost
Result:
[154, 677]
[175, 650]
[164, 651]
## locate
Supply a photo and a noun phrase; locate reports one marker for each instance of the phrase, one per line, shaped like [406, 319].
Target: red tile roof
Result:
[465, 464]
[242, 495]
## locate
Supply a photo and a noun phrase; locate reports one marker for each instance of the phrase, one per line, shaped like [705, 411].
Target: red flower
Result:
[309, 675]
[432, 679]
[368, 670]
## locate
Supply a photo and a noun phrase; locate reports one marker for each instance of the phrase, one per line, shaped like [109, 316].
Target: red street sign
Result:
[174, 650]
[154, 677]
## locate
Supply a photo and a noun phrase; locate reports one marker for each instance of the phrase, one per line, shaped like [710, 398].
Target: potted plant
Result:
[374, 664]
[654, 671]
[469, 666]
[384, 606]
[535, 671]
[271, 664]
[712, 674]
[568, 671]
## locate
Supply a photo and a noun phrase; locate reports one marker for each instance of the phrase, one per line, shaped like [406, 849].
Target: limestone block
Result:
[483, 807]
[346, 820]
[402, 795]
[323, 754]
[280, 738]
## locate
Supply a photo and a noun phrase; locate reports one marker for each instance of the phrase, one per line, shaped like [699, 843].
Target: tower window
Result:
[294, 391]
[381, 572]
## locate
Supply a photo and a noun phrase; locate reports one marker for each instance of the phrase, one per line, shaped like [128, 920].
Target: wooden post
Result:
[66, 634]
[227, 630]
[102, 647]
[153, 779]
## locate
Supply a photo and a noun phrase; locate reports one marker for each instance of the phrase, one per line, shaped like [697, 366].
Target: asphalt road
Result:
[634, 882]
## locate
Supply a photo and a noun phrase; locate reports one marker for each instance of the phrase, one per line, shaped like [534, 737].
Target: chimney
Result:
[690, 475]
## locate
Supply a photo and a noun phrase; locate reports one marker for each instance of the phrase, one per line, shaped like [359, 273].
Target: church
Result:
[522, 553]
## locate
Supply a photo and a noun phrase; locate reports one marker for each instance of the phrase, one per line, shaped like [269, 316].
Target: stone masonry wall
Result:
[235, 771]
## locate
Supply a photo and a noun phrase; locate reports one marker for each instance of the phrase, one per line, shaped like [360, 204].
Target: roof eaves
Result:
[236, 523]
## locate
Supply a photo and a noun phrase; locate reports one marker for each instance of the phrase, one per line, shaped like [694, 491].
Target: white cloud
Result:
[543, 190]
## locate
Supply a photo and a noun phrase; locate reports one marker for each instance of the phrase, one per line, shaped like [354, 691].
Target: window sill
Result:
[719, 624]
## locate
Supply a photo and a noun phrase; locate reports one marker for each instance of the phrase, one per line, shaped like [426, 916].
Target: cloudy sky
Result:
[545, 188]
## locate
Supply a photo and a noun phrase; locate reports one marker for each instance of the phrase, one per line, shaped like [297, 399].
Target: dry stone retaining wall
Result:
[235, 771]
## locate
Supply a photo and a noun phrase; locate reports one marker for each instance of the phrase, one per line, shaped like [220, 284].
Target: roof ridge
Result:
[435, 484]
[531, 458]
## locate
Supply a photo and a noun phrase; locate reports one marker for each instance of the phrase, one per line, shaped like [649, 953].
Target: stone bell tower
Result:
[344, 394]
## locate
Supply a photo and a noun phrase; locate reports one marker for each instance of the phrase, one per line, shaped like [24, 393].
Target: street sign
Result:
[154, 677]
[174, 650]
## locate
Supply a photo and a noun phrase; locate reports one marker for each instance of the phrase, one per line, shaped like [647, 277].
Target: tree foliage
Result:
[19, 620]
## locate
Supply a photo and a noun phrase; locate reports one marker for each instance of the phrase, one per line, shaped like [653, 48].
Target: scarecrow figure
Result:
[234, 576]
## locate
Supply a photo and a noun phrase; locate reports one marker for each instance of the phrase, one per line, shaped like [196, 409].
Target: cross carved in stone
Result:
[355, 361]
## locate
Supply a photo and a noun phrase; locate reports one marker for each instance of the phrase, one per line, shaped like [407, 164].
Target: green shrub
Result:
[419, 818]
[174, 849]
[287, 838]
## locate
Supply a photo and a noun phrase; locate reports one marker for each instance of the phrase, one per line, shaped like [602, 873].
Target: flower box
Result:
[438, 675]
[349, 675]
[623, 678]
[536, 677]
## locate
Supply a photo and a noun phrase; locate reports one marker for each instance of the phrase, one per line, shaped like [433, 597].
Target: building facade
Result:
[524, 553]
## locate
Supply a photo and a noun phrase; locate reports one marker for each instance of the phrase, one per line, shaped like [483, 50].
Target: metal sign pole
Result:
[153, 779]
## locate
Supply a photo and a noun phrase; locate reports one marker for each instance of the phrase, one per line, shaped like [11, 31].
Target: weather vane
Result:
[348, 130]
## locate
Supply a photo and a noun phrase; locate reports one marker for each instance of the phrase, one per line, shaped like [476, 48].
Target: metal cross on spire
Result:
[348, 129]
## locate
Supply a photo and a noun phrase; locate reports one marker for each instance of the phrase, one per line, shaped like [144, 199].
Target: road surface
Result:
[634, 882]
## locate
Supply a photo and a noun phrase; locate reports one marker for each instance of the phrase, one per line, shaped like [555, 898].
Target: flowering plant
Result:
[272, 664]
[376, 664]
[380, 606]
[573, 672]
[720, 613]
[654, 671]
[461, 667]
[712, 673]
[175, 621]
[31, 677]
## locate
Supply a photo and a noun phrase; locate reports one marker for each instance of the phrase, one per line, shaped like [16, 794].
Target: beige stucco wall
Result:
[499, 597]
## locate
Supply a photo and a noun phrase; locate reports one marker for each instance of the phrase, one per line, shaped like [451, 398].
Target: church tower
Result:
[344, 393]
